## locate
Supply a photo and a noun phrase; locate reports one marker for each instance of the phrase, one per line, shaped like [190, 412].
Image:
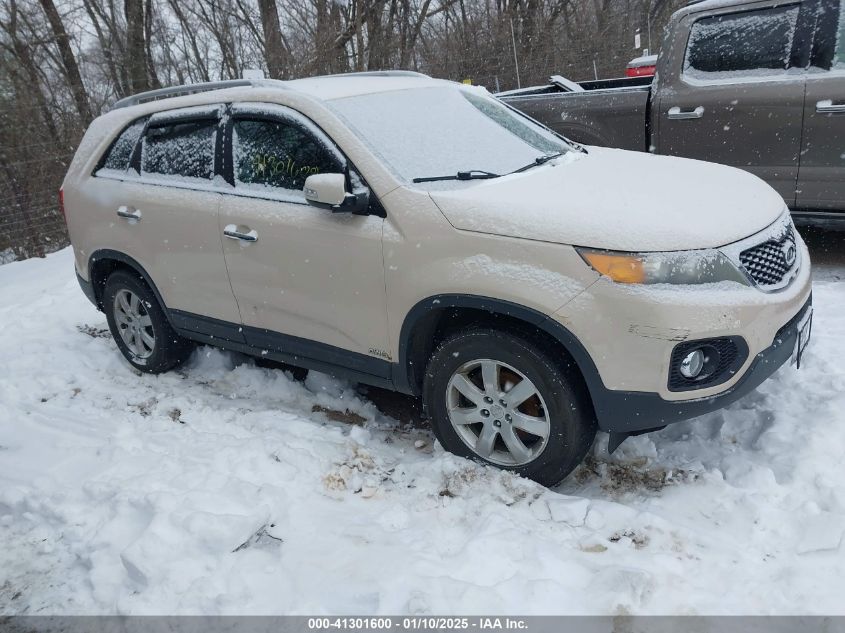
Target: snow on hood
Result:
[618, 200]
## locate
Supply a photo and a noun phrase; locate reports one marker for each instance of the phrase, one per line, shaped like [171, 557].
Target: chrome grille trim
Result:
[763, 257]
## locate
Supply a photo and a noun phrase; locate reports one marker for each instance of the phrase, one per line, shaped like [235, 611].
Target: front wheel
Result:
[497, 398]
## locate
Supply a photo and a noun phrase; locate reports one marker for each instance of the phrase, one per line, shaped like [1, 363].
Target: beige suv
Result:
[419, 235]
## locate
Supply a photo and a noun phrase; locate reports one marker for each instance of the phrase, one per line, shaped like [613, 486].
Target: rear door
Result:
[821, 176]
[739, 96]
[309, 282]
[165, 213]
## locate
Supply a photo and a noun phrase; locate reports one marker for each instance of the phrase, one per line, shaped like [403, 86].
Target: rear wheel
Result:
[497, 398]
[139, 326]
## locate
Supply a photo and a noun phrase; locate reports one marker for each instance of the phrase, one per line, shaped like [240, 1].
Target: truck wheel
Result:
[139, 325]
[497, 398]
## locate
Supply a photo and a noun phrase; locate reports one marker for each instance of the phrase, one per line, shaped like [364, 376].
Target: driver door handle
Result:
[231, 231]
[675, 112]
[827, 106]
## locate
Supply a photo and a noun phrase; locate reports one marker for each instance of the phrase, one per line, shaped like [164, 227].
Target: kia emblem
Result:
[789, 253]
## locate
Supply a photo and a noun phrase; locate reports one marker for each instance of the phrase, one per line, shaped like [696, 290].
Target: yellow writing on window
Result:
[268, 165]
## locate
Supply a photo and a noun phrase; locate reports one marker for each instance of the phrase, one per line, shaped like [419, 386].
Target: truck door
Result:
[736, 94]
[821, 175]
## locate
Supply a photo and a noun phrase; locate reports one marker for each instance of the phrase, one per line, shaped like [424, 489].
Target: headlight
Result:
[682, 267]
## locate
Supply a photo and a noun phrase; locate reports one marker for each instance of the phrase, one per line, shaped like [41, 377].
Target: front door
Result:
[308, 282]
[740, 95]
[821, 176]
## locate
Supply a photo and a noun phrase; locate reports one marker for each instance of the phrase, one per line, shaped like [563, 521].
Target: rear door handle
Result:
[675, 112]
[231, 231]
[826, 106]
[130, 213]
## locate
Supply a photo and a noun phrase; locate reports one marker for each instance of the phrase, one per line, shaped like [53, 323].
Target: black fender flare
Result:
[123, 258]
[403, 377]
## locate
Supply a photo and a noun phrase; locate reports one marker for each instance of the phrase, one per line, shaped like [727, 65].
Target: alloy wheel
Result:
[498, 412]
[134, 323]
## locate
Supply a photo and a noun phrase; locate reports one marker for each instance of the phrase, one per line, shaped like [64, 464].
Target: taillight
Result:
[62, 204]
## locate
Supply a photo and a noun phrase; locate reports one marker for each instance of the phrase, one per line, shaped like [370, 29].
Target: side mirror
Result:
[328, 191]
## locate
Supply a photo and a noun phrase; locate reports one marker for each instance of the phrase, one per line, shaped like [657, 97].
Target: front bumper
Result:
[631, 412]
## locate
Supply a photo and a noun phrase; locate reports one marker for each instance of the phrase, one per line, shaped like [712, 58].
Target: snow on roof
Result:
[355, 84]
[644, 60]
[707, 5]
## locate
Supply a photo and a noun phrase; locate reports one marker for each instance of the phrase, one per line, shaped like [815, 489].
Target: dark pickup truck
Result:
[756, 85]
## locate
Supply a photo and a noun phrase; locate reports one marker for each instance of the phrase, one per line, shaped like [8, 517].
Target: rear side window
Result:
[275, 155]
[120, 153]
[749, 43]
[183, 150]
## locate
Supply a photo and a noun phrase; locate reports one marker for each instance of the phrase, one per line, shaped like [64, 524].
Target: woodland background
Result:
[64, 62]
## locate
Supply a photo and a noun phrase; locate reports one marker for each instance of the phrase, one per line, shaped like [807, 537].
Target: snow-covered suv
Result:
[420, 235]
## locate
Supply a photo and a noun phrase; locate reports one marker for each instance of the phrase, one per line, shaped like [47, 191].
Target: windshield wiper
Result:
[540, 160]
[472, 174]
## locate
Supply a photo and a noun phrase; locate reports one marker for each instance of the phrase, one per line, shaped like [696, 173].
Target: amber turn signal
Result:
[625, 269]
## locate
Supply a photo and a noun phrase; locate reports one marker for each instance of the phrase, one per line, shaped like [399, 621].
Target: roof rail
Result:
[189, 89]
[186, 89]
[375, 73]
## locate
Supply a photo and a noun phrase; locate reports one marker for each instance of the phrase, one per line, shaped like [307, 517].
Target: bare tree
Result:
[62, 63]
[275, 53]
[69, 65]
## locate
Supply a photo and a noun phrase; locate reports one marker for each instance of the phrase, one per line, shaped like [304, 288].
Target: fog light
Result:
[692, 364]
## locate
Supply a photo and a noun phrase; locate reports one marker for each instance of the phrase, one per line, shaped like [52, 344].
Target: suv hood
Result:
[617, 200]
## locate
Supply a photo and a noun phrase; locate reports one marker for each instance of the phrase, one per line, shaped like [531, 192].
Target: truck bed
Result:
[610, 112]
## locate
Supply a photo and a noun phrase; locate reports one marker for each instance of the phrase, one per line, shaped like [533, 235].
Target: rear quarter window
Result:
[116, 159]
[746, 43]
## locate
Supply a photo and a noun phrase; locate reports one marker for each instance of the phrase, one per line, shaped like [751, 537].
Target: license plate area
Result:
[805, 329]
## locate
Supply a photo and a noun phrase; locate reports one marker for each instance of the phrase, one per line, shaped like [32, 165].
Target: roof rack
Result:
[186, 89]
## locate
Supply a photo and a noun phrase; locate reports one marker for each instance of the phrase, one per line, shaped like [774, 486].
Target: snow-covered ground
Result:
[230, 488]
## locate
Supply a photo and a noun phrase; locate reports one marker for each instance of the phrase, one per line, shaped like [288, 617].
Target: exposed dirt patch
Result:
[94, 332]
[347, 416]
[145, 408]
[633, 476]
[638, 539]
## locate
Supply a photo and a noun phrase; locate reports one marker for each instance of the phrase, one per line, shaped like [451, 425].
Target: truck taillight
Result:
[62, 204]
[640, 71]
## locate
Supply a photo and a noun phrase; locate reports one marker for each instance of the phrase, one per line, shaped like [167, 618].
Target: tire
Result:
[558, 407]
[153, 346]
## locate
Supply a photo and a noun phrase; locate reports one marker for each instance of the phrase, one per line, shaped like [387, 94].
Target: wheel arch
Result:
[104, 262]
[430, 317]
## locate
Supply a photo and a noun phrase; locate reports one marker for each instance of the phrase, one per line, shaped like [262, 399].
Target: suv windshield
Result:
[445, 130]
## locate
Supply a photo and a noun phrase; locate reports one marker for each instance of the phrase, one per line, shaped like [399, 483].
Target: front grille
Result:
[724, 357]
[769, 263]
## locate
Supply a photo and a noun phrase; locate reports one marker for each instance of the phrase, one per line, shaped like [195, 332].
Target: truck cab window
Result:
[750, 42]
[839, 53]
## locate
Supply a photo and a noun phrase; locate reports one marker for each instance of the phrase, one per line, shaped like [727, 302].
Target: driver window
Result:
[277, 157]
